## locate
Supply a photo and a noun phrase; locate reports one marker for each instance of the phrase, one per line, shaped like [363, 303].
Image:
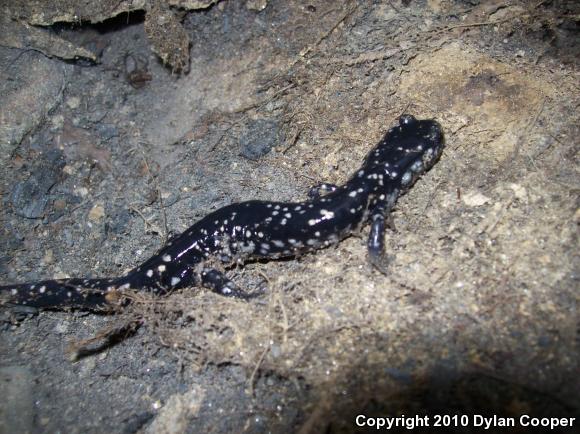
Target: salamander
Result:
[259, 229]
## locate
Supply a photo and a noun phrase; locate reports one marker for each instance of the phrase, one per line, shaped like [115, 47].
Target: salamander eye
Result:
[407, 120]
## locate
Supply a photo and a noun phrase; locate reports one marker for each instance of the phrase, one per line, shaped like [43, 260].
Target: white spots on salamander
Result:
[275, 213]
[278, 243]
[269, 205]
[352, 193]
[175, 281]
[417, 166]
[353, 211]
[361, 173]
[260, 234]
[288, 215]
[317, 234]
[166, 258]
[149, 273]
[161, 268]
[407, 178]
[277, 207]
[248, 234]
[327, 214]
[125, 286]
[312, 222]
[14, 291]
[283, 222]
[248, 248]
[42, 289]
[297, 208]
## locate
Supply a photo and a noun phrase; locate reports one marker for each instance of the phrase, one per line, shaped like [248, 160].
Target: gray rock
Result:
[259, 138]
[26, 100]
[17, 409]
[30, 197]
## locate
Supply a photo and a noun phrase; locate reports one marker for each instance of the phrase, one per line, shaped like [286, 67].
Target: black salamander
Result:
[259, 229]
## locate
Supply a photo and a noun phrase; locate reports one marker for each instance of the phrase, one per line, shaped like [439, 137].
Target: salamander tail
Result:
[85, 294]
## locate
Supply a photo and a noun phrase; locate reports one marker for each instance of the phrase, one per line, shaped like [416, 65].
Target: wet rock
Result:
[259, 138]
[30, 197]
[26, 99]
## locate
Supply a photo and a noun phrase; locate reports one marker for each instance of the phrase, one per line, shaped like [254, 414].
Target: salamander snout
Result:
[413, 133]
[428, 128]
[407, 120]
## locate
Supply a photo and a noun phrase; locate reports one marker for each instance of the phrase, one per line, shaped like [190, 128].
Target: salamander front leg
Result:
[376, 242]
[321, 189]
[220, 284]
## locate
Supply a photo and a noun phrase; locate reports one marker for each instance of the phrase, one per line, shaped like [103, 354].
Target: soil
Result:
[102, 161]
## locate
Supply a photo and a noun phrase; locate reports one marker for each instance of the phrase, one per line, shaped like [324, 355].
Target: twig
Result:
[293, 141]
[164, 215]
[529, 127]
[478, 24]
[148, 224]
[431, 196]
[258, 364]
[264, 101]
[325, 35]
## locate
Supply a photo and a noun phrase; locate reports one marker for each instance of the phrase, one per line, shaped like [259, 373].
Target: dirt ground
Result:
[103, 159]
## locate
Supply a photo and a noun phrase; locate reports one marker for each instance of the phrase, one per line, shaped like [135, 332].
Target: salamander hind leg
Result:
[220, 284]
[321, 189]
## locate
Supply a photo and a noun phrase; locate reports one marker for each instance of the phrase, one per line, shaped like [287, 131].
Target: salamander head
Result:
[408, 149]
